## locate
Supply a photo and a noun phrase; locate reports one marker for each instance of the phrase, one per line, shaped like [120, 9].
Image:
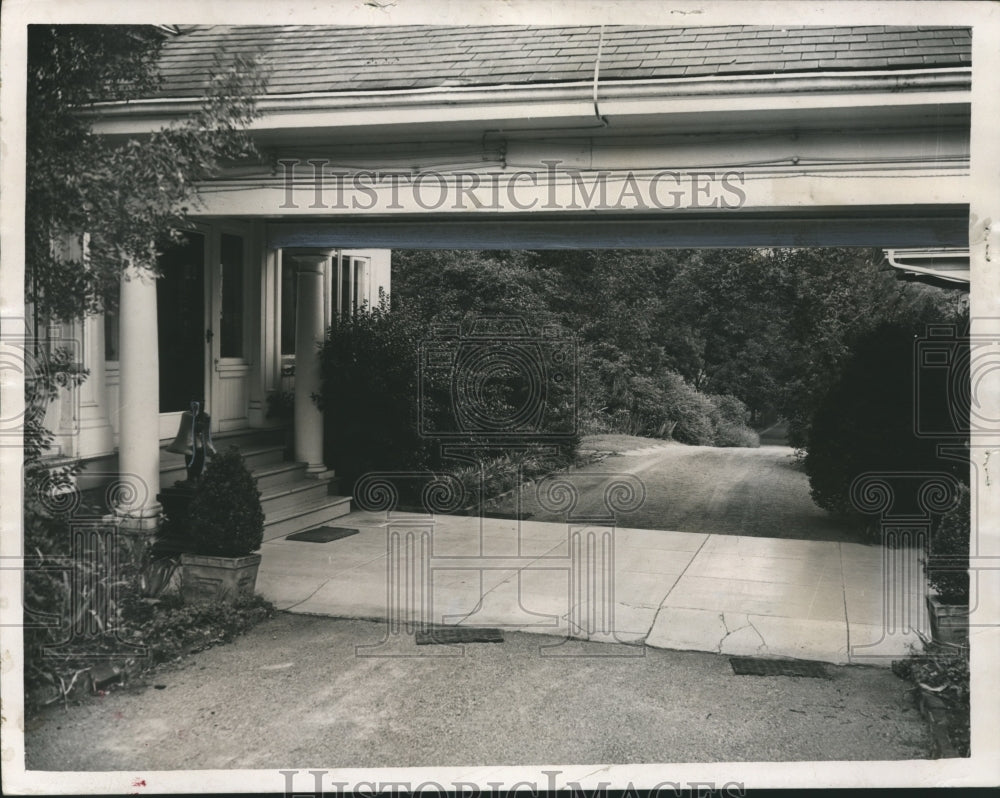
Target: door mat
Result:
[752, 666]
[323, 534]
[458, 634]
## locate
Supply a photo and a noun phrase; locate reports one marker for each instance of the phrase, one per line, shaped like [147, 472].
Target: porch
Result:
[234, 325]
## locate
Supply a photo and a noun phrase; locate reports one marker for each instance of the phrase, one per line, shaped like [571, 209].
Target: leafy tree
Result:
[126, 194]
[452, 286]
[615, 304]
[774, 326]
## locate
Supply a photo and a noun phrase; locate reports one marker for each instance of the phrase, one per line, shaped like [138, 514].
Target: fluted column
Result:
[139, 401]
[309, 330]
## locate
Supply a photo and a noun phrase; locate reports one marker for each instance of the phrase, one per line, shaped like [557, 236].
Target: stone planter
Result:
[205, 578]
[949, 622]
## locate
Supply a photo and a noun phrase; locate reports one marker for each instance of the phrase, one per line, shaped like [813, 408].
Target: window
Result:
[345, 306]
[288, 306]
[231, 323]
[353, 274]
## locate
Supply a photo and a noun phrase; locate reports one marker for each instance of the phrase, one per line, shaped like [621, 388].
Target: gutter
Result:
[958, 276]
[583, 93]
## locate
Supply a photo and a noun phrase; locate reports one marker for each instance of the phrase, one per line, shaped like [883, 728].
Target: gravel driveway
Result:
[757, 492]
[292, 693]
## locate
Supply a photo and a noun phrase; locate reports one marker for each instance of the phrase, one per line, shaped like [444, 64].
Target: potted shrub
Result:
[226, 527]
[948, 575]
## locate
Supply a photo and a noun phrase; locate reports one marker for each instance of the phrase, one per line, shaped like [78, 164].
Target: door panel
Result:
[230, 372]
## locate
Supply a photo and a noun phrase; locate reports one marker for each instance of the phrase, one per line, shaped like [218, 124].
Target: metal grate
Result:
[458, 634]
[752, 666]
[323, 534]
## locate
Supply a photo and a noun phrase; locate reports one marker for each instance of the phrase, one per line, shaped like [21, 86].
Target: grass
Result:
[615, 443]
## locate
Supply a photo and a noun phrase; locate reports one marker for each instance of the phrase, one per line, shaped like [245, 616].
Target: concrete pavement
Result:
[821, 600]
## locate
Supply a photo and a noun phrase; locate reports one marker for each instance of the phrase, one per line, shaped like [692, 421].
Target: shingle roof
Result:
[307, 59]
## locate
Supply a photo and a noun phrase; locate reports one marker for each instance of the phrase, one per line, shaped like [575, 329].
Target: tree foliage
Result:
[126, 193]
[663, 331]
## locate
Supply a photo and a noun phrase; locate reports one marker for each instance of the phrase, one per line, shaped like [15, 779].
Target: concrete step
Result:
[280, 523]
[172, 465]
[260, 447]
[249, 438]
[297, 494]
[283, 473]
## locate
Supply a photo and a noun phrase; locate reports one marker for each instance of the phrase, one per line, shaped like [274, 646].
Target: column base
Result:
[319, 471]
[146, 519]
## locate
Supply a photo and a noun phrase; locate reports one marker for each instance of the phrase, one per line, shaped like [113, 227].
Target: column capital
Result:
[309, 258]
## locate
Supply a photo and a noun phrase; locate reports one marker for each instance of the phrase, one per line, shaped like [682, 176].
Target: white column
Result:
[95, 429]
[139, 401]
[309, 332]
[258, 289]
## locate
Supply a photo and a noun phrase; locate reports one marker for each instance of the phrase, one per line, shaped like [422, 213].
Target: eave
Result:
[681, 103]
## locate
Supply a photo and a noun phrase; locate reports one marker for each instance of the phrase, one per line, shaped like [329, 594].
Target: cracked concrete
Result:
[728, 594]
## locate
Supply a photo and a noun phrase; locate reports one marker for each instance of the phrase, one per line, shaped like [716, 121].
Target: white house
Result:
[497, 137]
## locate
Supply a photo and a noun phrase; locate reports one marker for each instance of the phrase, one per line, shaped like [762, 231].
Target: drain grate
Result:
[458, 634]
[323, 534]
[752, 666]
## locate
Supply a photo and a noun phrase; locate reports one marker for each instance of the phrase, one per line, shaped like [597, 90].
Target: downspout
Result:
[597, 72]
[602, 122]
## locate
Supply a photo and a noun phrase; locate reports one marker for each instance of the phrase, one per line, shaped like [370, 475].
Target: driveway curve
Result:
[760, 492]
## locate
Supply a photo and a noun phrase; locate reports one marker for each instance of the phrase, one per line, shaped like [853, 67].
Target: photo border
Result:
[981, 769]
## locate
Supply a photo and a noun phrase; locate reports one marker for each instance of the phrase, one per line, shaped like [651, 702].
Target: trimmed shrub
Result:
[226, 519]
[382, 408]
[733, 436]
[369, 394]
[864, 423]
